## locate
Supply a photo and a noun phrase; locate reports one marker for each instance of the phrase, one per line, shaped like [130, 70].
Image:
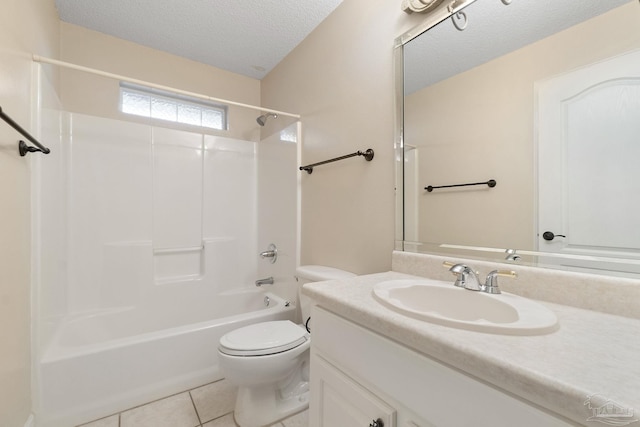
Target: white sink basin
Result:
[442, 303]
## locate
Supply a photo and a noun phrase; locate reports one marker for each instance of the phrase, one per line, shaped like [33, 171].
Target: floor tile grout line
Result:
[167, 397]
[281, 423]
[101, 418]
[119, 414]
[193, 403]
[222, 416]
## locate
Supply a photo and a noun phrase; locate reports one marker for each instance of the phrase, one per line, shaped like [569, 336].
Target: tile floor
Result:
[208, 406]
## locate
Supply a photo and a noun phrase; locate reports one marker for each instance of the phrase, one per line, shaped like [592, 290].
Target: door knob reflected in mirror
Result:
[549, 235]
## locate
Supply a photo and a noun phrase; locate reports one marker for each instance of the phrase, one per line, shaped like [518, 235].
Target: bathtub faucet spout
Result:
[267, 281]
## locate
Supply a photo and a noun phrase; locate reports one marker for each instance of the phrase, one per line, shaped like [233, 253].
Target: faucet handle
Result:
[466, 277]
[458, 271]
[456, 268]
[271, 253]
[491, 285]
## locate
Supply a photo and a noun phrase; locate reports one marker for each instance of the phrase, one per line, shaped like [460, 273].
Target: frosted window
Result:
[213, 119]
[136, 103]
[152, 103]
[189, 114]
[164, 109]
[289, 135]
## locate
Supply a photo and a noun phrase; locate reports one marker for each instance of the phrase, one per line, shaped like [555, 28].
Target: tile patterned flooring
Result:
[208, 406]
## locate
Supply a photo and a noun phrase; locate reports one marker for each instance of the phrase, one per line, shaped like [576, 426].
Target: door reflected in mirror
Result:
[542, 97]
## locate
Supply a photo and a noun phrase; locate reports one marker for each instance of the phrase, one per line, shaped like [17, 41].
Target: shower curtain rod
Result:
[42, 59]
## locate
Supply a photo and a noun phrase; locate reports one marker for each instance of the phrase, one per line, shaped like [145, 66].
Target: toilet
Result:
[269, 361]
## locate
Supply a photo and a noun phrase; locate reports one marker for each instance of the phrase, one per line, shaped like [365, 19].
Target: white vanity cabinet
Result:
[343, 402]
[360, 378]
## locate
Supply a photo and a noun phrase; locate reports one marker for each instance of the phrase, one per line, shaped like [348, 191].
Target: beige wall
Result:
[340, 79]
[480, 125]
[90, 94]
[26, 27]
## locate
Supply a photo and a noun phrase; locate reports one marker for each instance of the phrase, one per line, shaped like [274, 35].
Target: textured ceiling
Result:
[493, 30]
[247, 37]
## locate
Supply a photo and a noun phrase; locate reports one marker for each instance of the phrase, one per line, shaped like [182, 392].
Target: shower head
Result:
[263, 118]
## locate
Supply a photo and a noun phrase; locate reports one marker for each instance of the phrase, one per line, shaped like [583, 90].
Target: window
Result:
[147, 102]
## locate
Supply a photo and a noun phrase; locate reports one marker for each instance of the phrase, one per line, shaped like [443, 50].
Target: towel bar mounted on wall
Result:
[23, 148]
[491, 183]
[368, 156]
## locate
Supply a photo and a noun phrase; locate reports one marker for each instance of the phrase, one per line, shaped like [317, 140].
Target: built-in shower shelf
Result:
[179, 264]
[178, 280]
[161, 251]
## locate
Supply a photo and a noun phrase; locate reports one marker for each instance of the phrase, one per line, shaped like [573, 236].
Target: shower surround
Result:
[146, 243]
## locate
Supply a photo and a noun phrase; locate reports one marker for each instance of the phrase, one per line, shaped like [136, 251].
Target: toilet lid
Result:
[263, 338]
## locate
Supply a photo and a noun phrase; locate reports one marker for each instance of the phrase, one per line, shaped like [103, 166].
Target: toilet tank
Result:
[315, 273]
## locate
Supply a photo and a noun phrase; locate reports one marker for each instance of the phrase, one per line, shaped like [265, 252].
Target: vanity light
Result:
[459, 18]
[457, 15]
[421, 6]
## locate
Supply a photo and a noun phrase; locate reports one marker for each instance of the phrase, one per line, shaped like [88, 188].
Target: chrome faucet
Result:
[266, 281]
[468, 278]
[512, 255]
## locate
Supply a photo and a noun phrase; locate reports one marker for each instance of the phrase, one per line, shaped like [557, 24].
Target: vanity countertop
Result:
[591, 354]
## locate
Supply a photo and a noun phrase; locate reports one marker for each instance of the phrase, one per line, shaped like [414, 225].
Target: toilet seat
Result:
[262, 339]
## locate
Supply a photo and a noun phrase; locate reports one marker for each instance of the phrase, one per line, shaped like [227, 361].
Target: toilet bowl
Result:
[269, 362]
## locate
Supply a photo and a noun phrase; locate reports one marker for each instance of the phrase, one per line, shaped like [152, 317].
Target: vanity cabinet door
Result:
[338, 401]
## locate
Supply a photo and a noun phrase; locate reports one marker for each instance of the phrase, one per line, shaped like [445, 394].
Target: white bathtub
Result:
[103, 363]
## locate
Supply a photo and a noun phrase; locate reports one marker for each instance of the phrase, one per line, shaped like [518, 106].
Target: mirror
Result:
[540, 97]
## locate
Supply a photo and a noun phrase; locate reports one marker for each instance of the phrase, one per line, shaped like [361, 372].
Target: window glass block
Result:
[163, 109]
[213, 118]
[189, 114]
[147, 102]
[289, 134]
[136, 103]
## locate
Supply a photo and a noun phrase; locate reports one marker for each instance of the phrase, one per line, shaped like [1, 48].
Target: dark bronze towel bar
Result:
[491, 183]
[23, 148]
[368, 155]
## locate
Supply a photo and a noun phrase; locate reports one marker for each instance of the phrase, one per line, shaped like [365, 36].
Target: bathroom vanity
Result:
[373, 366]
[400, 387]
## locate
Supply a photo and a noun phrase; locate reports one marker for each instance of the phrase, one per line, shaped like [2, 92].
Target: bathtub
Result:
[105, 362]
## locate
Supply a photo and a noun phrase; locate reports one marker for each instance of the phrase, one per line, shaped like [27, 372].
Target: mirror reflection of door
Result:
[589, 163]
